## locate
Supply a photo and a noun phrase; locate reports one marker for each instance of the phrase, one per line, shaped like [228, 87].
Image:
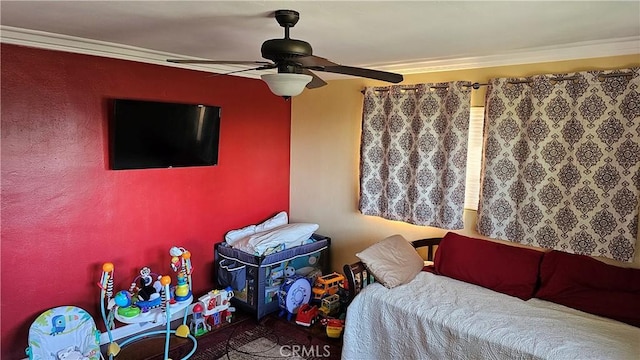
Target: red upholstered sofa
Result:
[576, 281]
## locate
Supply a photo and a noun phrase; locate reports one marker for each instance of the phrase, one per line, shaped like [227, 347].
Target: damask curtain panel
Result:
[413, 153]
[562, 162]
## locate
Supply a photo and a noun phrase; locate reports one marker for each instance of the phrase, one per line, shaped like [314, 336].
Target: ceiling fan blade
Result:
[365, 73]
[316, 82]
[264, 67]
[319, 63]
[314, 61]
[221, 62]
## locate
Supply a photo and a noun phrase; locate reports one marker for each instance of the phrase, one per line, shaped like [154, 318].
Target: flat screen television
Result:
[150, 134]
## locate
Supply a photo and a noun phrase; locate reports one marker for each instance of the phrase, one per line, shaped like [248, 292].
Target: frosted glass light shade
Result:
[286, 84]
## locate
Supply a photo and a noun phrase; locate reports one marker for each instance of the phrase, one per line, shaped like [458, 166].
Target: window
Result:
[474, 158]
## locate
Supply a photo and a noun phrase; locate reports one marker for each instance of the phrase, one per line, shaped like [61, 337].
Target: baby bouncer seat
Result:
[64, 333]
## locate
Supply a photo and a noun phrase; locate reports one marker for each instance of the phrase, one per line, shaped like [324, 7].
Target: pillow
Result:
[392, 261]
[589, 285]
[503, 268]
[279, 219]
[288, 235]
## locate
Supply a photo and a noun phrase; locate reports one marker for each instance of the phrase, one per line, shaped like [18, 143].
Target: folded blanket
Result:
[279, 219]
[285, 236]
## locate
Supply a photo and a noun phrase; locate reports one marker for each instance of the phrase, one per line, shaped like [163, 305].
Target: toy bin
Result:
[256, 279]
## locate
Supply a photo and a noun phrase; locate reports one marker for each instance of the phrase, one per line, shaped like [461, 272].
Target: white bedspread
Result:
[435, 317]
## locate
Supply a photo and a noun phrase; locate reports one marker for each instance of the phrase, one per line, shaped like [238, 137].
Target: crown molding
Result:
[73, 44]
[582, 50]
[574, 51]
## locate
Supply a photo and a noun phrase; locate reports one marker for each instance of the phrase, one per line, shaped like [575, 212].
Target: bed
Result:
[433, 316]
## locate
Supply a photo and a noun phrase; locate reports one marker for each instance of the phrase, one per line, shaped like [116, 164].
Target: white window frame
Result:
[474, 157]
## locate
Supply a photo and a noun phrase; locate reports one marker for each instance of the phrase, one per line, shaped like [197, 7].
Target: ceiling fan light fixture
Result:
[286, 84]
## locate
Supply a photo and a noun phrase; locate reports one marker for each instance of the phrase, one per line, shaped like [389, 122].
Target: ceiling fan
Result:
[294, 60]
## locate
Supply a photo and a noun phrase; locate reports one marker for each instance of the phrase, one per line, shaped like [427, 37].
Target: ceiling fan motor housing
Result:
[285, 49]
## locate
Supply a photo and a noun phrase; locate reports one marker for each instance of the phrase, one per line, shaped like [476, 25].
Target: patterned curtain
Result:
[413, 153]
[562, 162]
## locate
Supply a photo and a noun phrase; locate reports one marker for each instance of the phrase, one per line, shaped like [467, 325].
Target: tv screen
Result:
[149, 134]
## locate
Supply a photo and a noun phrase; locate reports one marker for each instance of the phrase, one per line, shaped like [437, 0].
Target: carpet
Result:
[271, 338]
[262, 347]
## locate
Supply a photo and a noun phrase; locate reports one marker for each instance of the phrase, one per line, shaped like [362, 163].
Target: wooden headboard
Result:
[358, 277]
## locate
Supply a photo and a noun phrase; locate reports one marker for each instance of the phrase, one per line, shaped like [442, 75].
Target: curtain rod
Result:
[556, 79]
[475, 86]
[601, 77]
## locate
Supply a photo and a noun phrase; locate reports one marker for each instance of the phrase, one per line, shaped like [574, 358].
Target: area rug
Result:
[263, 348]
[271, 338]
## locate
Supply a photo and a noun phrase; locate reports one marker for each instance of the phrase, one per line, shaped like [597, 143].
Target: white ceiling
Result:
[400, 36]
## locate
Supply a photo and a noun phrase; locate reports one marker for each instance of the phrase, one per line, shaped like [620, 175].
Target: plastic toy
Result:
[307, 315]
[149, 289]
[327, 285]
[330, 305]
[334, 327]
[149, 299]
[216, 307]
[294, 292]
[181, 263]
[198, 325]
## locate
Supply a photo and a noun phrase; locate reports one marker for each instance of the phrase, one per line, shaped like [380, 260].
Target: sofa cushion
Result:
[592, 286]
[392, 261]
[503, 268]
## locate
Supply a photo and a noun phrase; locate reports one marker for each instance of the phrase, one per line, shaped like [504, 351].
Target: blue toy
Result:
[123, 298]
[294, 292]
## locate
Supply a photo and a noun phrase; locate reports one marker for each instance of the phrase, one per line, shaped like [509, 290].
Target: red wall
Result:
[64, 213]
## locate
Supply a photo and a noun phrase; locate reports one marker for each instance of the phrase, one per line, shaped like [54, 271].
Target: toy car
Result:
[327, 285]
[330, 305]
[307, 315]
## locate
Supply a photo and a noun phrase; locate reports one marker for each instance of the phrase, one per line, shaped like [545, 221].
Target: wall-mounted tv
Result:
[149, 134]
